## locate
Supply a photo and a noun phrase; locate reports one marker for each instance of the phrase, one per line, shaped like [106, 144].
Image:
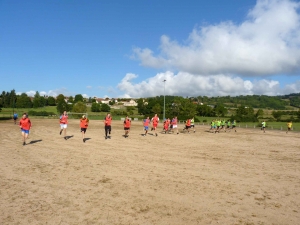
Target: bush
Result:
[40, 113]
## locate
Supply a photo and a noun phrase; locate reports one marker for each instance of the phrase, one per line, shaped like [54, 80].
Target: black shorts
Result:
[187, 127]
[126, 128]
[83, 129]
[107, 128]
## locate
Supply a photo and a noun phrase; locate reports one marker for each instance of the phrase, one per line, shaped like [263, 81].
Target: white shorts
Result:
[63, 126]
[174, 126]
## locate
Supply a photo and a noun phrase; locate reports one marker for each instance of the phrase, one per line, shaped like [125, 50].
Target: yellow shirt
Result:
[289, 125]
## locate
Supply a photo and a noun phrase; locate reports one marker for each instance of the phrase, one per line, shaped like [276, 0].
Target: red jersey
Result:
[188, 122]
[107, 120]
[25, 123]
[166, 125]
[63, 119]
[174, 121]
[127, 123]
[146, 122]
[155, 120]
[84, 123]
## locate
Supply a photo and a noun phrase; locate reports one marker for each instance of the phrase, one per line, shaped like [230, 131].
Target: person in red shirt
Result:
[188, 125]
[127, 123]
[155, 121]
[146, 125]
[84, 123]
[63, 121]
[174, 124]
[25, 125]
[107, 125]
[166, 126]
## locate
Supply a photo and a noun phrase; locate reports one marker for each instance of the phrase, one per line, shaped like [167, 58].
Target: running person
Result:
[146, 125]
[25, 125]
[187, 125]
[63, 121]
[228, 125]
[166, 126]
[289, 126]
[174, 124]
[15, 117]
[234, 125]
[218, 124]
[107, 125]
[263, 126]
[155, 121]
[193, 124]
[127, 123]
[84, 123]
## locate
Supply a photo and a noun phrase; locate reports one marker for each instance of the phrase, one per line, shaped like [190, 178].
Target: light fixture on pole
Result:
[164, 101]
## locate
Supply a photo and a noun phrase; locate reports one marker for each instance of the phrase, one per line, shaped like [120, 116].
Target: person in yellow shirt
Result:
[289, 126]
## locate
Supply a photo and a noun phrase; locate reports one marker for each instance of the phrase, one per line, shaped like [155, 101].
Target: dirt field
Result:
[247, 177]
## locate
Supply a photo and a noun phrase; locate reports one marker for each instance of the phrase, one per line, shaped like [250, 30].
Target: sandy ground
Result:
[247, 177]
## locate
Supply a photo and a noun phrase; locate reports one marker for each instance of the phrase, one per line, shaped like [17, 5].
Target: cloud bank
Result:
[267, 43]
[218, 60]
[185, 84]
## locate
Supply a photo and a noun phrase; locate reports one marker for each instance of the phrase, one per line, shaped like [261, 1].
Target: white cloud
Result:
[267, 43]
[185, 84]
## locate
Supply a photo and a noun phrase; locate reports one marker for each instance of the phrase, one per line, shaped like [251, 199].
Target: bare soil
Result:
[243, 177]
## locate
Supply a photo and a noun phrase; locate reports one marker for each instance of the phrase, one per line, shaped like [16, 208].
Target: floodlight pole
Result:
[164, 100]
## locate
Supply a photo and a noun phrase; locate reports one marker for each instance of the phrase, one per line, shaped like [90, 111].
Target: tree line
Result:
[240, 108]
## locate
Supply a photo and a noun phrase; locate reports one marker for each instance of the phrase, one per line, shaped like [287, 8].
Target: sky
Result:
[132, 49]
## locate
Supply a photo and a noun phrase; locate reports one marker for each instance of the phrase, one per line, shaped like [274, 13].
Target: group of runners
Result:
[169, 125]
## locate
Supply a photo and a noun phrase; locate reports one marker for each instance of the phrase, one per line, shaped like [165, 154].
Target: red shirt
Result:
[84, 123]
[188, 122]
[174, 121]
[127, 123]
[146, 122]
[155, 120]
[108, 121]
[63, 119]
[25, 123]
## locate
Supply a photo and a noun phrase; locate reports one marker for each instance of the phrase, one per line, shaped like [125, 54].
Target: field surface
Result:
[243, 177]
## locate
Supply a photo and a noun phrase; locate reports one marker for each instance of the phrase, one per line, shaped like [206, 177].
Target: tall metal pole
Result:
[164, 100]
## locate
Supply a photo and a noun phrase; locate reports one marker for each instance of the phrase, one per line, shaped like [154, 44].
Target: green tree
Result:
[71, 99]
[259, 113]
[277, 115]
[220, 110]
[36, 100]
[105, 107]
[79, 107]
[156, 108]
[51, 101]
[61, 104]
[23, 101]
[78, 98]
[96, 107]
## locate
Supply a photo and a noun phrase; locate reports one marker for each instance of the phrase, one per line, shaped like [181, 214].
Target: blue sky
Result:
[123, 48]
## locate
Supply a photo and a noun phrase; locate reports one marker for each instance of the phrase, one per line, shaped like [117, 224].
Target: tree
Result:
[259, 113]
[23, 101]
[96, 107]
[61, 104]
[71, 99]
[105, 108]
[78, 98]
[79, 107]
[220, 110]
[51, 101]
[277, 115]
[36, 100]
[156, 108]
